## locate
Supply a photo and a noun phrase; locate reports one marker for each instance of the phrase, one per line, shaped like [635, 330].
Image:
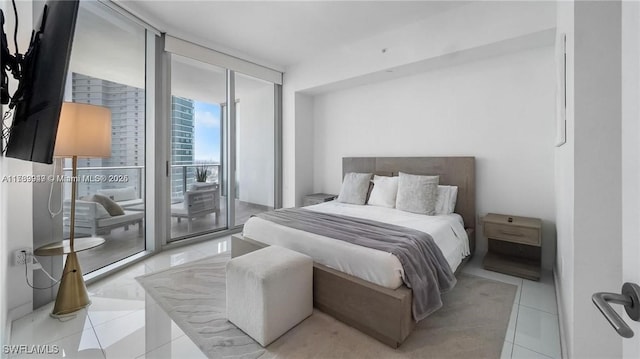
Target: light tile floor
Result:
[124, 322]
[533, 330]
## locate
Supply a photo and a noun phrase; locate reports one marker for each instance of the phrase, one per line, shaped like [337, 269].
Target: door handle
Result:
[630, 298]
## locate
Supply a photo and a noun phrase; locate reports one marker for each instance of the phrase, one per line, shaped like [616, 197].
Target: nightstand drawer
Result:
[524, 235]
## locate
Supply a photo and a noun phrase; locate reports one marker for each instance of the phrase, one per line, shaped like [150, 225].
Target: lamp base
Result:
[72, 293]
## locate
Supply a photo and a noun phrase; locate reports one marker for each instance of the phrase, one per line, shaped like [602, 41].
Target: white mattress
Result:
[372, 265]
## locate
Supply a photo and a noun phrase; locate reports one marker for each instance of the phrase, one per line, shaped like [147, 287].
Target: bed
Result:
[361, 286]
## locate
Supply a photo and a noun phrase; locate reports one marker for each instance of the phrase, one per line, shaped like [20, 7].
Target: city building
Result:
[127, 105]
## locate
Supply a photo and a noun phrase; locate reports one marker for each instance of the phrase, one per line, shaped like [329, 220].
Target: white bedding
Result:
[372, 265]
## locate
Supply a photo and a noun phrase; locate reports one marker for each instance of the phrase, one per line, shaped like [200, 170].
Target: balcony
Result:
[125, 240]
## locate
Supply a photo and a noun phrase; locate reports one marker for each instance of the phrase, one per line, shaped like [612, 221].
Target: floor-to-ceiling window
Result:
[107, 69]
[223, 133]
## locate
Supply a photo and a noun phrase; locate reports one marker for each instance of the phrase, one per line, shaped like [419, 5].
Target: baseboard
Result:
[559, 302]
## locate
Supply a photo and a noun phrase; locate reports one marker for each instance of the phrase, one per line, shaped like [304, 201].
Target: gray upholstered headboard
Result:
[455, 171]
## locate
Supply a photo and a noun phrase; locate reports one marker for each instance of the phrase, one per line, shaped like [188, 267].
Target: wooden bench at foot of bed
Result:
[382, 313]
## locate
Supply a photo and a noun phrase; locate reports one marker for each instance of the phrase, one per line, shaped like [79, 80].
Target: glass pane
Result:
[198, 98]
[107, 68]
[255, 148]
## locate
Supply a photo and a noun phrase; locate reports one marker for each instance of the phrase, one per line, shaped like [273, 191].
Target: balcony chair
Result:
[198, 203]
[92, 219]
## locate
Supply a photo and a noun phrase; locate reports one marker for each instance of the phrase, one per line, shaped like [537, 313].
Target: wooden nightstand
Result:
[515, 245]
[317, 198]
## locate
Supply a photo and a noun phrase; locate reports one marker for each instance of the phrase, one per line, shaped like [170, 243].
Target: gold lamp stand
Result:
[72, 293]
[83, 131]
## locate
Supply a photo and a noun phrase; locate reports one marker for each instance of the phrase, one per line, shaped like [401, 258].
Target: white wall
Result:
[597, 165]
[4, 260]
[500, 110]
[256, 143]
[304, 148]
[630, 156]
[470, 26]
[19, 217]
[461, 29]
[564, 179]
[297, 146]
[16, 224]
[15, 200]
[16, 232]
[590, 176]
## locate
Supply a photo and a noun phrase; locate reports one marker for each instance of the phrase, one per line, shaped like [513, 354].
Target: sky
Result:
[207, 132]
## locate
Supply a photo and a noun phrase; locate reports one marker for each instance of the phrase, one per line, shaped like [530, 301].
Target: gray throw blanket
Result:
[426, 271]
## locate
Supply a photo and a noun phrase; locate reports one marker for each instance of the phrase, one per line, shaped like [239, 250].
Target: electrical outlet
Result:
[22, 256]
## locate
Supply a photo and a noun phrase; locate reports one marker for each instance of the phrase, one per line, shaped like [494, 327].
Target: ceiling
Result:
[111, 48]
[280, 33]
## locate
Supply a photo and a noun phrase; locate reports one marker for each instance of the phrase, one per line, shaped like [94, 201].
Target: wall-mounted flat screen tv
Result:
[38, 98]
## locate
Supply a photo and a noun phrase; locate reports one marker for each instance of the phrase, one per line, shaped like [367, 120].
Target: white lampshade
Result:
[83, 131]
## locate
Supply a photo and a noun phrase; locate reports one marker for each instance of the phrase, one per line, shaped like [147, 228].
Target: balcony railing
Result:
[188, 172]
[124, 176]
[91, 179]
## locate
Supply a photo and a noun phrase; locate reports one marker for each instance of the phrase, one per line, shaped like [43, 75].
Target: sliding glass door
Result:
[223, 147]
[198, 95]
[107, 69]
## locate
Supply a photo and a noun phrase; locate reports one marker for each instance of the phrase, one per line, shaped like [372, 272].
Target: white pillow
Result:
[384, 192]
[442, 199]
[453, 197]
[101, 212]
[417, 194]
[355, 187]
[446, 199]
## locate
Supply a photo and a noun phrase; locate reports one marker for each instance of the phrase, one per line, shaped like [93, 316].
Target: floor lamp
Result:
[84, 131]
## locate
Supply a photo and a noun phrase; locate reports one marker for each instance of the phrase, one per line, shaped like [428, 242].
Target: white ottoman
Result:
[269, 291]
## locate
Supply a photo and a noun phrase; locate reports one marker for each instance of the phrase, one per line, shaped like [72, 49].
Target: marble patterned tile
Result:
[134, 334]
[538, 331]
[540, 295]
[507, 348]
[475, 268]
[511, 329]
[172, 258]
[79, 345]
[127, 323]
[213, 246]
[39, 327]
[182, 347]
[121, 285]
[524, 353]
[103, 310]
